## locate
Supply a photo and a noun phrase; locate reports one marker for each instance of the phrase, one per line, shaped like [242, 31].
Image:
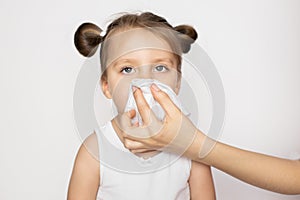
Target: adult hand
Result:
[174, 134]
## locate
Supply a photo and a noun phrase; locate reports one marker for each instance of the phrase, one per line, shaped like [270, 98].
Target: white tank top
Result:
[125, 176]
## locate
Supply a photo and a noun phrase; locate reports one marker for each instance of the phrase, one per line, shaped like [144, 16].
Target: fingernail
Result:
[155, 87]
[134, 88]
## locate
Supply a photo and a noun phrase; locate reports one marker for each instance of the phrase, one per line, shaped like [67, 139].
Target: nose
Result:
[145, 72]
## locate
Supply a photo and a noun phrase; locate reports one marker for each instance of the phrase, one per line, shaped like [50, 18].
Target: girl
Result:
[135, 46]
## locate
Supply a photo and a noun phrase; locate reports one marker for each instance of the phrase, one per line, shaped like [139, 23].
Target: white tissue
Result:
[144, 85]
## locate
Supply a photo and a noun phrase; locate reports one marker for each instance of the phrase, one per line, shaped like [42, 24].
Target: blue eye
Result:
[160, 68]
[127, 70]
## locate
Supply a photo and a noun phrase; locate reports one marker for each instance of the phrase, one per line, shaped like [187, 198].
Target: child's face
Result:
[147, 63]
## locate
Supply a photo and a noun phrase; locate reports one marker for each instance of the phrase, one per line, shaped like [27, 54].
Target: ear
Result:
[105, 88]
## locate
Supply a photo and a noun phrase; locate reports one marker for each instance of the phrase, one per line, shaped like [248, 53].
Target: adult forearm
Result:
[267, 172]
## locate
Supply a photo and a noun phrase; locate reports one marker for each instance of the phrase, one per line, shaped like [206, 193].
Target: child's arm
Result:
[201, 182]
[85, 179]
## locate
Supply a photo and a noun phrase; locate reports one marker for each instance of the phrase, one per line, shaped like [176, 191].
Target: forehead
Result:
[147, 56]
[135, 41]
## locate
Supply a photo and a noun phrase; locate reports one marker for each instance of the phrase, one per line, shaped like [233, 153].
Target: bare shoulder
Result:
[85, 178]
[87, 159]
[91, 145]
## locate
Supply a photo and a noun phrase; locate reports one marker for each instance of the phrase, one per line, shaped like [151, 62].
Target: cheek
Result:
[170, 79]
[120, 94]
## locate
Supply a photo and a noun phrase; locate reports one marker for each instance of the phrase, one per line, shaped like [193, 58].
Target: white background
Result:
[254, 44]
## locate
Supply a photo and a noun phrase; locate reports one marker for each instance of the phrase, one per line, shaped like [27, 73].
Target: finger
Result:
[124, 120]
[127, 117]
[142, 151]
[130, 115]
[136, 124]
[164, 100]
[133, 145]
[142, 105]
[130, 136]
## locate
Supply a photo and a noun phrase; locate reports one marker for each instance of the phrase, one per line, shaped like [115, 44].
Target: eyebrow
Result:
[115, 63]
[133, 60]
[164, 60]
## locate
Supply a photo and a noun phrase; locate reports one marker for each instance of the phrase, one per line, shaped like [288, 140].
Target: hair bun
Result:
[87, 38]
[187, 35]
